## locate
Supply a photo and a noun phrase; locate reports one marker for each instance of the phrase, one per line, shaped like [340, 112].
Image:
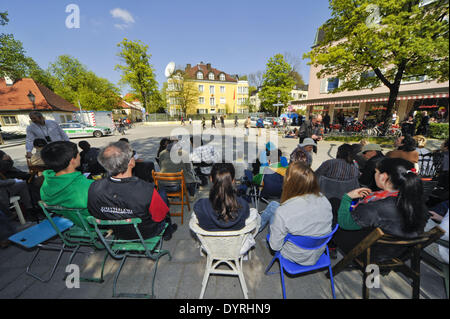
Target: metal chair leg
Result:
[28, 271]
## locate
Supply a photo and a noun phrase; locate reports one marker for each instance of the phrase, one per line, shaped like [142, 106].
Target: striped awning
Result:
[379, 99]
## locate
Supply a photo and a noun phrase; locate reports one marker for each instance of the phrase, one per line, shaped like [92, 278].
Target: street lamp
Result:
[32, 98]
[278, 95]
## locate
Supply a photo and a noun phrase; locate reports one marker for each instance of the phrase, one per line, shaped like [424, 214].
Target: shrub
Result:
[438, 130]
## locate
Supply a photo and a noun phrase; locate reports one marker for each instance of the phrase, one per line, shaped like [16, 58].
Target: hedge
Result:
[438, 130]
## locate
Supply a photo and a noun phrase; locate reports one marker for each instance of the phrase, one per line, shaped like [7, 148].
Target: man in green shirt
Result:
[63, 185]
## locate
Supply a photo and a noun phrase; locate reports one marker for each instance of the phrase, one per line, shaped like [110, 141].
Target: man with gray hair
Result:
[41, 128]
[123, 196]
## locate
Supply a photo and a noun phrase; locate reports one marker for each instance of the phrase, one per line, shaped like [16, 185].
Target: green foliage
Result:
[277, 79]
[74, 82]
[137, 71]
[184, 92]
[438, 130]
[385, 141]
[408, 41]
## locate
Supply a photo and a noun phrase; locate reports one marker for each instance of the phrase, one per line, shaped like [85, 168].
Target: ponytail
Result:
[410, 201]
[223, 195]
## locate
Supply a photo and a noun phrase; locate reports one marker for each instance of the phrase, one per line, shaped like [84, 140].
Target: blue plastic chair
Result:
[305, 242]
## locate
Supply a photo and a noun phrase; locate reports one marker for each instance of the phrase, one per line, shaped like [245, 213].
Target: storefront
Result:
[374, 107]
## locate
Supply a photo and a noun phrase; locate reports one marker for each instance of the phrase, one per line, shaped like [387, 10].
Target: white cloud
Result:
[123, 15]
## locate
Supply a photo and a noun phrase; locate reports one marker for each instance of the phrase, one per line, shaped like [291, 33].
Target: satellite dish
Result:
[170, 68]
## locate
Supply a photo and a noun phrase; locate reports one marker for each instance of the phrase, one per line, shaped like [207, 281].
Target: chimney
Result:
[208, 66]
[188, 66]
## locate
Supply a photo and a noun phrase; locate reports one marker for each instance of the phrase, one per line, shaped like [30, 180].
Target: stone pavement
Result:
[181, 277]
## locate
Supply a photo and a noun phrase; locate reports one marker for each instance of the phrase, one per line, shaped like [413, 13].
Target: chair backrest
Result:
[168, 178]
[86, 233]
[333, 188]
[222, 244]
[272, 183]
[115, 245]
[430, 164]
[310, 243]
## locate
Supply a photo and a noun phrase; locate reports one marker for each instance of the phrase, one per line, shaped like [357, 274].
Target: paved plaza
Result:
[181, 277]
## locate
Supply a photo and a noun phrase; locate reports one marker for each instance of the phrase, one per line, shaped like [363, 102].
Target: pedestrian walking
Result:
[213, 121]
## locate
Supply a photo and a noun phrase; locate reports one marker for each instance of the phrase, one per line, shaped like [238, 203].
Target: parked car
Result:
[271, 122]
[74, 130]
[253, 120]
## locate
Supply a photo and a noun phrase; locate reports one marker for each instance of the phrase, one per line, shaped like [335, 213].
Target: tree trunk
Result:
[387, 118]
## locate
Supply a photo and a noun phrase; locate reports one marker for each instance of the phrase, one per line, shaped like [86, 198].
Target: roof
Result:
[206, 69]
[15, 97]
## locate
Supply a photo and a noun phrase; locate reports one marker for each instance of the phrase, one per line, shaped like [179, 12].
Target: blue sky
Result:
[235, 36]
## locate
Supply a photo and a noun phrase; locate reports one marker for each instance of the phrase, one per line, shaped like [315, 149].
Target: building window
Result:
[202, 111]
[222, 89]
[201, 100]
[212, 101]
[200, 75]
[200, 88]
[211, 89]
[9, 120]
[222, 77]
[211, 76]
[212, 111]
[222, 100]
[328, 85]
[242, 90]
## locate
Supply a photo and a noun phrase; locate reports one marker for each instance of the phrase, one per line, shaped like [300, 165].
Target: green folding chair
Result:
[80, 234]
[121, 249]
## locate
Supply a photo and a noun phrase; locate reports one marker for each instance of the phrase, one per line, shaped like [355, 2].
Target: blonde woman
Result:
[302, 210]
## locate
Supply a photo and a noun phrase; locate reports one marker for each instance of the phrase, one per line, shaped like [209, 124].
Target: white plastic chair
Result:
[14, 200]
[224, 247]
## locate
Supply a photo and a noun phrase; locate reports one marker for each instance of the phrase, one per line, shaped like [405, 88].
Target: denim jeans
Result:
[268, 214]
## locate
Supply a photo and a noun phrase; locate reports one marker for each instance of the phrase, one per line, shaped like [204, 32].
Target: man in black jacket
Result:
[372, 153]
[123, 196]
[310, 128]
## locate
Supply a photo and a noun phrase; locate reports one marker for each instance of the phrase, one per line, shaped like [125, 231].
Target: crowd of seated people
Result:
[388, 195]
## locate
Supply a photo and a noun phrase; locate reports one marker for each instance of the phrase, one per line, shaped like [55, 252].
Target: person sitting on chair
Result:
[203, 157]
[36, 159]
[63, 184]
[372, 153]
[342, 167]
[170, 166]
[302, 211]
[88, 159]
[223, 210]
[406, 149]
[398, 208]
[123, 196]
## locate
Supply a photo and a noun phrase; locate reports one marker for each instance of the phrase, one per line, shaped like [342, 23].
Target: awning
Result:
[380, 99]
[428, 106]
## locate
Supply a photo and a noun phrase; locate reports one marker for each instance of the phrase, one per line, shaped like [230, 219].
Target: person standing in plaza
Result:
[247, 124]
[326, 122]
[222, 121]
[203, 123]
[41, 128]
[213, 121]
[310, 128]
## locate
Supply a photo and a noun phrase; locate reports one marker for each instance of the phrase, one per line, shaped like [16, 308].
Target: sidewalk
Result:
[13, 142]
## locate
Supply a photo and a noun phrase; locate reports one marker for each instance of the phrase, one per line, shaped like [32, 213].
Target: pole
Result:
[81, 112]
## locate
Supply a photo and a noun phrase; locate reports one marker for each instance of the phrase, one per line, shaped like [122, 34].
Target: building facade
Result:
[19, 98]
[296, 94]
[216, 92]
[415, 94]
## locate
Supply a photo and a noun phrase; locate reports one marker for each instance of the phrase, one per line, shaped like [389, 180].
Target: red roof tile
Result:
[15, 97]
[192, 73]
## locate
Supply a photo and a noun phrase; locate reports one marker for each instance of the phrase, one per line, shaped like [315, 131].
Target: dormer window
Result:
[199, 75]
[211, 76]
[222, 77]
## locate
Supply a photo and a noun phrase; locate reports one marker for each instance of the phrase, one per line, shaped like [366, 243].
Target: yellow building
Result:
[216, 91]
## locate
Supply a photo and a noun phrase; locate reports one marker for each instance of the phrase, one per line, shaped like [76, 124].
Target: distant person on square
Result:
[41, 128]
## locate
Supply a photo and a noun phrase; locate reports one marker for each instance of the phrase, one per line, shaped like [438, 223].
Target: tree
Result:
[183, 92]
[137, 71]
[277, 81]
[74, 82]
[13, 62]
[295, 63]
[256, 79]
[371, 42]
